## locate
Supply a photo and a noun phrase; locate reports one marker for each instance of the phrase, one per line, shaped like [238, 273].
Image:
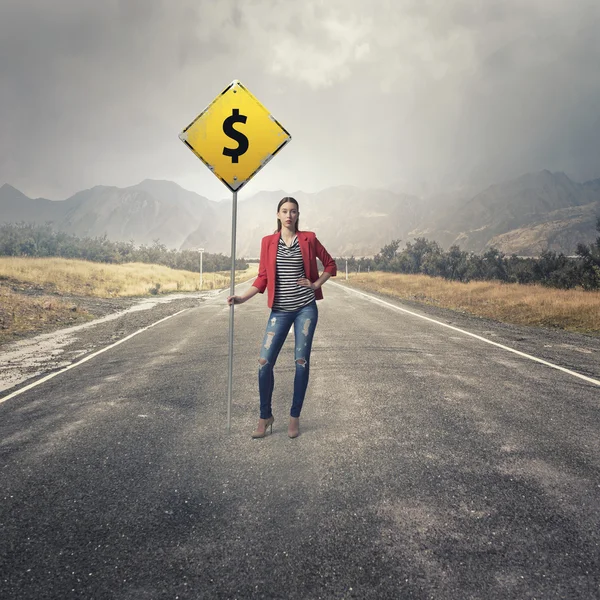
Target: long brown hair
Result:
[281, 203]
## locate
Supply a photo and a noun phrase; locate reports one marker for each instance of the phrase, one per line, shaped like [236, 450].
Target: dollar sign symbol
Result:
[237, 136]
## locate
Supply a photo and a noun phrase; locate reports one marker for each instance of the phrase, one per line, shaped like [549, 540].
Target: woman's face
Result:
[288, 215]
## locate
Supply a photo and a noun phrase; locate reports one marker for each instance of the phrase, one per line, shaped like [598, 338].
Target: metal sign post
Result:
[231, 293]
[201, 250]
[234, 117]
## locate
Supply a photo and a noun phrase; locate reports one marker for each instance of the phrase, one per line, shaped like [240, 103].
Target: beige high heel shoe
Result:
[294, 427]
[261, 433]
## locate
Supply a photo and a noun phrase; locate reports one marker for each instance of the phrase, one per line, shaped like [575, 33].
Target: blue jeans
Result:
[305, 322]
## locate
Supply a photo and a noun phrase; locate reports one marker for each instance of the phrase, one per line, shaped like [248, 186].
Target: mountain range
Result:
[526, 215]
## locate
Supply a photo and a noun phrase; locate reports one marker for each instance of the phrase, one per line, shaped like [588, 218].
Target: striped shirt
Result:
[290, 296]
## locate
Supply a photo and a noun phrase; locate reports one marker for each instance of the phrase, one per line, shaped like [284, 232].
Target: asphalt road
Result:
[430, 465]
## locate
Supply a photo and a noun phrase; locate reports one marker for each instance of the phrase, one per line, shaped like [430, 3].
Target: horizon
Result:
[270, 191]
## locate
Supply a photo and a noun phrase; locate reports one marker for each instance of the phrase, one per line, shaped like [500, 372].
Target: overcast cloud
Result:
[374, 92]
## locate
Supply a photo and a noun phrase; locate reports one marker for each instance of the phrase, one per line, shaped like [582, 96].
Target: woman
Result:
[288, 269]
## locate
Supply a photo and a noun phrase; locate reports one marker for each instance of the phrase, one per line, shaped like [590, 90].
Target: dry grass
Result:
[20, 314]
[83, 278]
[573, 310]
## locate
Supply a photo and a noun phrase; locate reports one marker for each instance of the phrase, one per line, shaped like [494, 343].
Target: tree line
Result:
[27, 239]
[421, 256]
[428, 258]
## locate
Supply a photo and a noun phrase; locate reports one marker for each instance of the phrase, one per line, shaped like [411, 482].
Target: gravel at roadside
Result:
[37, 355]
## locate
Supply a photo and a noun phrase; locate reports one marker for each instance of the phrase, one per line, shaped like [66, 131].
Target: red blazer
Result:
[310, 247]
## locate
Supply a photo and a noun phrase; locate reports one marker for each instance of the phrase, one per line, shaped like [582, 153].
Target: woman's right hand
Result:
[235, 300]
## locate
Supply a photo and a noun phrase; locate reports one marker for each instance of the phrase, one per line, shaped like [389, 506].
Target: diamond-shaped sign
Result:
[235, 136]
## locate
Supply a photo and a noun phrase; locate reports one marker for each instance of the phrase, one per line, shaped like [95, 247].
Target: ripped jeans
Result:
[305, 322]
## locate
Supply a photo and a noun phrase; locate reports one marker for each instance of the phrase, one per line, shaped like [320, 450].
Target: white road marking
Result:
[523, 354]
[213, 296]
[26, 359]
[89, 357]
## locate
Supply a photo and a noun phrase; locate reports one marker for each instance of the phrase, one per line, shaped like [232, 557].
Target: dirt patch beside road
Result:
[31, 310]
[40, 353]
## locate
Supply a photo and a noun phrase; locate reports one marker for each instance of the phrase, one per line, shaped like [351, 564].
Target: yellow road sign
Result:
[235, 136]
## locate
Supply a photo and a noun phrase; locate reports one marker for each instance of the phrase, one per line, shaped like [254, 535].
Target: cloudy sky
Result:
[410, 94]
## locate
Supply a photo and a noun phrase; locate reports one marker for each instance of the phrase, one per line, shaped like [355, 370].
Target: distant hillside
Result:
[143, 213]
[16, 206]
[526, 215]
[349, 220]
